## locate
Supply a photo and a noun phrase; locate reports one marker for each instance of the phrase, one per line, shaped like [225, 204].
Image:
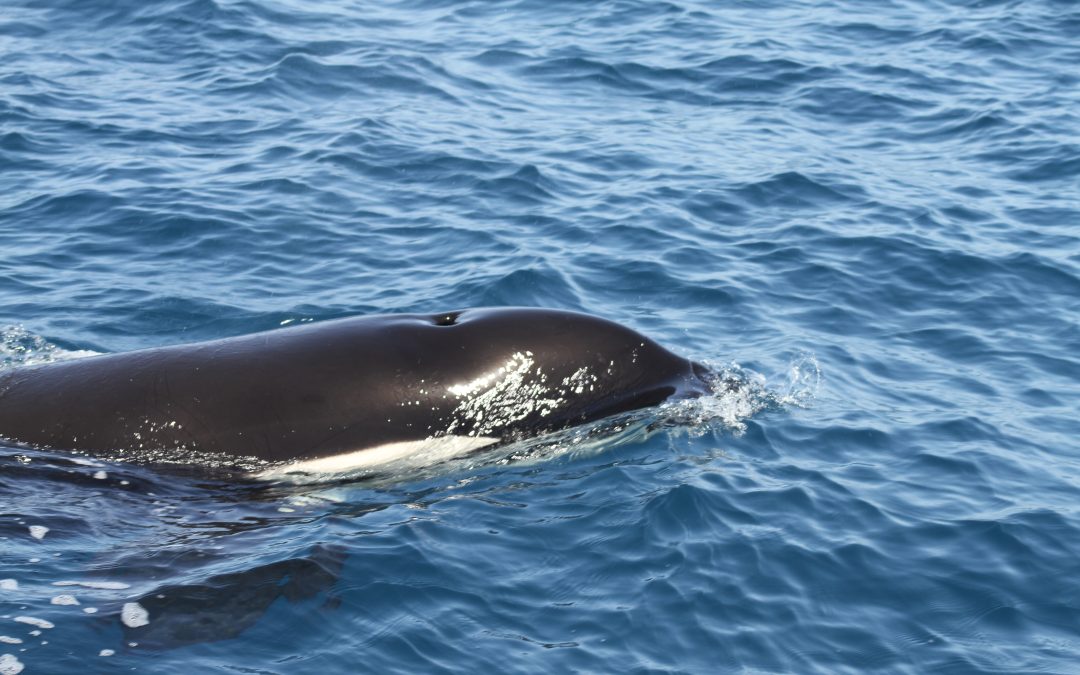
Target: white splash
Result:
[20, 347]
[38, 531]
[34, 621]
[65, 600]
[740, 393]
[9, 585]
[134, 615]
[9, 665]
[804, 381]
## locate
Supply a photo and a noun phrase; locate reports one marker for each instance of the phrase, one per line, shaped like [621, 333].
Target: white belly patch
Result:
[403, 455]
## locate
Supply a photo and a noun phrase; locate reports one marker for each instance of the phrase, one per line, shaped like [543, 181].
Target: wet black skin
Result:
[321, 389]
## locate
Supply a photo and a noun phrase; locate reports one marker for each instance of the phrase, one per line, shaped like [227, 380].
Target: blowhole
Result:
[448, 319]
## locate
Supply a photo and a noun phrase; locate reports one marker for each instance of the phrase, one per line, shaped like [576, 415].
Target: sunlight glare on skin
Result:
[518, 363]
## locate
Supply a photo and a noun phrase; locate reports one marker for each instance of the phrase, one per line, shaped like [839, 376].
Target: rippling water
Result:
[869, 210]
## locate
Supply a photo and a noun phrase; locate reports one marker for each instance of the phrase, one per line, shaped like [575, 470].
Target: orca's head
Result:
[513, 371]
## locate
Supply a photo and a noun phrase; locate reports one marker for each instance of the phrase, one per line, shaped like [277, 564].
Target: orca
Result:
[337, 394]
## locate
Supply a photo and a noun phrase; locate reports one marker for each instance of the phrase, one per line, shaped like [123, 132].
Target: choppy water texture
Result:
[890, 191]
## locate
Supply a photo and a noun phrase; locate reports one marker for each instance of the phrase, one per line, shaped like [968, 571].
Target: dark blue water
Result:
[871, 211]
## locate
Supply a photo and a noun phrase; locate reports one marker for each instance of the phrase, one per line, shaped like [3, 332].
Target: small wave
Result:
[794, 189]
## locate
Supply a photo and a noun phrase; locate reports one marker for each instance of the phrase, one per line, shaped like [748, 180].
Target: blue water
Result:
[870, 211]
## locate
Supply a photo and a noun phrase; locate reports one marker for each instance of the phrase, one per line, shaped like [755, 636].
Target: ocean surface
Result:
[868, 212]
